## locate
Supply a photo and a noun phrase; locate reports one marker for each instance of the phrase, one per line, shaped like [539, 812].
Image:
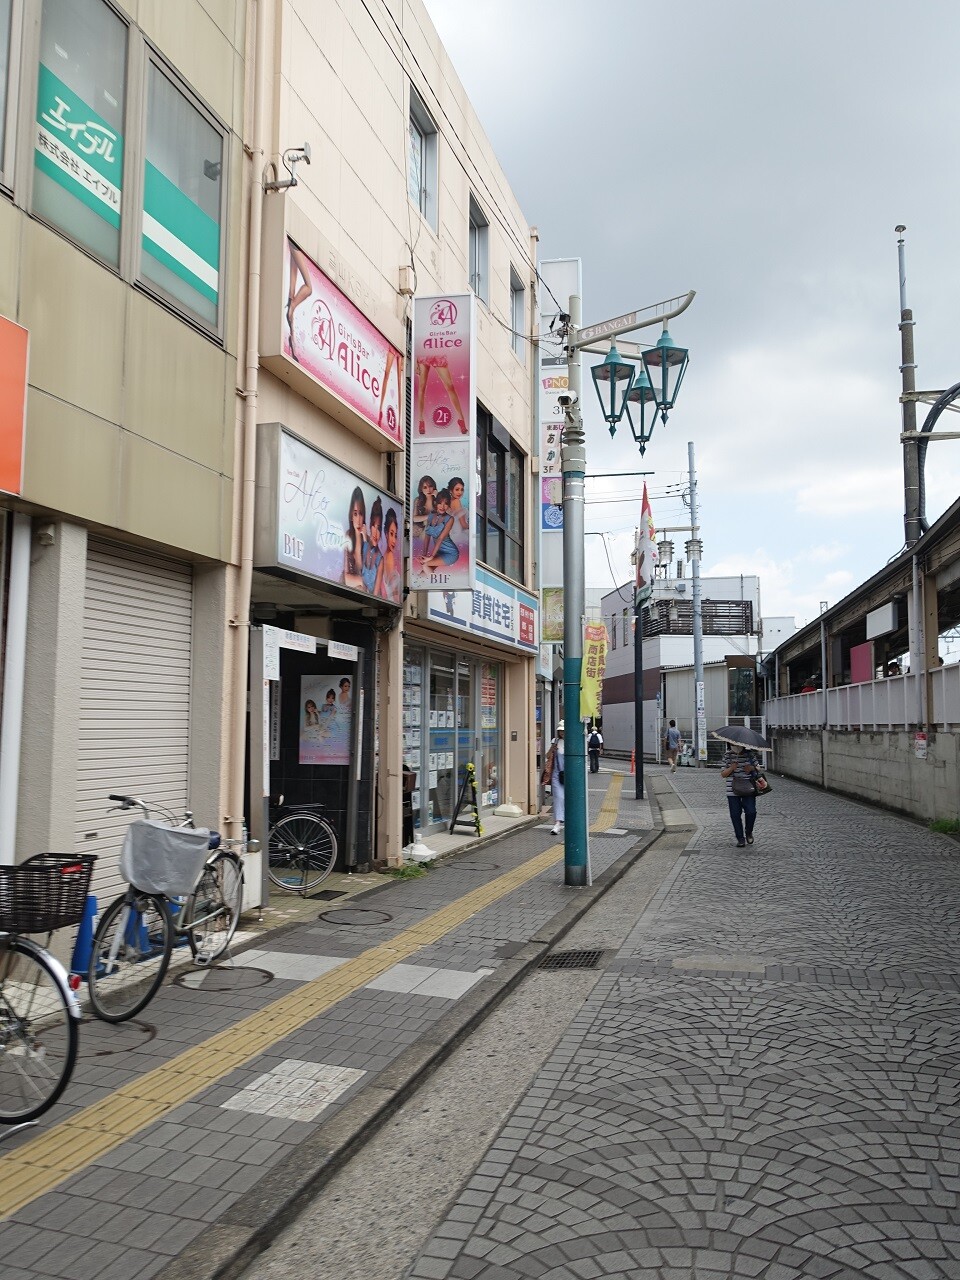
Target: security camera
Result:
[567, 399]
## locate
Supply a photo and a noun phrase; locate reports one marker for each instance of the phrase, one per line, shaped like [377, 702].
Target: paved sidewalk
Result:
[765, 1082]
[191, 1133]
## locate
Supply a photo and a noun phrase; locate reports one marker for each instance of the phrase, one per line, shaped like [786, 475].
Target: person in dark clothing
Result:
[594, 749]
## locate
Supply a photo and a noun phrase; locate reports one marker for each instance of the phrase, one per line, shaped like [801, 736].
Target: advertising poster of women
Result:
[441, 520]
[443, 476]
[326, 719]
[336, 344]
[333, 525]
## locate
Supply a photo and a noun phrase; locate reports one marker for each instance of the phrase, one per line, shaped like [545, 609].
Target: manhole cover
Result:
[469, 866]
[243, 978]
[355, 916]
[573, 960]
[121, 1037]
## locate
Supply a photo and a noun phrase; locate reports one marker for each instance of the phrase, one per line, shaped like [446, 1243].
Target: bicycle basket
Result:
[158, 858]
[47, 892]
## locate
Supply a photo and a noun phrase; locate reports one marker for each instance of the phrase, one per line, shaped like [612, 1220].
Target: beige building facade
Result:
[200, 201]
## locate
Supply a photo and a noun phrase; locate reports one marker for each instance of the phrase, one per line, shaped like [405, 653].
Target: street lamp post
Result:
[613, 379]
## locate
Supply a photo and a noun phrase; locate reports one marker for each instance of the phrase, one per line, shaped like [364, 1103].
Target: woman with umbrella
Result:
[740, 769]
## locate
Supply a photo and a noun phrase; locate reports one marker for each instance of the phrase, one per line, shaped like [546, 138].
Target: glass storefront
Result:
[451, 718]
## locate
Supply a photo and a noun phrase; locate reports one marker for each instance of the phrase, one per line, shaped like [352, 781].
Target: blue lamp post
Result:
[641, 395]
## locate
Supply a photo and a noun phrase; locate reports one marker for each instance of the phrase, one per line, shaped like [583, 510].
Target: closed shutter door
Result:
[134, 696]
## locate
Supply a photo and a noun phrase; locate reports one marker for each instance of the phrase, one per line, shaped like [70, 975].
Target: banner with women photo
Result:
[443, 450]
[334, 525]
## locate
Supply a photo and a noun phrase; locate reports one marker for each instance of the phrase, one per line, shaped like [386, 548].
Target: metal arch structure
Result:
[943, 401]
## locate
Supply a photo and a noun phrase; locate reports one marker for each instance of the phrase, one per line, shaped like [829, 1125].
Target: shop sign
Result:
[592, 671]
[345, 652]
[326, 719]
[77, 148]
[494, 609]
[13, 404]
[334, 342]
[334, 526]
[561, 277]
[443, 451]
[551, 606]
[920, 746]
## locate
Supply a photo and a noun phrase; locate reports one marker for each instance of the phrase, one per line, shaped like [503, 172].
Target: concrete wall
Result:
[881, 767]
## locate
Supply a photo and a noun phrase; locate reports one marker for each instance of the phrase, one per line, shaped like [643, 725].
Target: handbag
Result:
[743, 786]
[763, 786]
[560, 776]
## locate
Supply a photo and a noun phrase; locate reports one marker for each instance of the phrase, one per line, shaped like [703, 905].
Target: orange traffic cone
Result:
[633, 763]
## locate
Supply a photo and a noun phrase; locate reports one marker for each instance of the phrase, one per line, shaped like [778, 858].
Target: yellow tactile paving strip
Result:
[40, 1165]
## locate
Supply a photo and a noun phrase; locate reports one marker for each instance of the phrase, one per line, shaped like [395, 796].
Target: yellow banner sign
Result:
[594, 664]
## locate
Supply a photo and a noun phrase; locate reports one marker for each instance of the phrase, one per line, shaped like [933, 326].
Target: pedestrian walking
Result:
[672, 742]
[740, 768]
[595, 749]
[553, 774]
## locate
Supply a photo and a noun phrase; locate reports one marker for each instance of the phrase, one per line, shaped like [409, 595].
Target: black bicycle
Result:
[39, 1010]
[302, 846]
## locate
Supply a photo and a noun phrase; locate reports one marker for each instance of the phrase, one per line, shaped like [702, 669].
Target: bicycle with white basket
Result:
[183, 882]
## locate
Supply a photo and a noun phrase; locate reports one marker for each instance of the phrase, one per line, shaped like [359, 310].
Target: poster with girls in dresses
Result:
[332, 524]
[443, 451]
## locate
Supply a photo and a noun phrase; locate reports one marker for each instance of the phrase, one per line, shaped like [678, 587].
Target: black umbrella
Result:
[739, 735]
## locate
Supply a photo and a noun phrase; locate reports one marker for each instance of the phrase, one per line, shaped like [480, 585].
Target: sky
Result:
[760, 152]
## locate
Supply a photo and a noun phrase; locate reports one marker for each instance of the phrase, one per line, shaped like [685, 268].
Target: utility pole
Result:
[912, 527]
[694, 550]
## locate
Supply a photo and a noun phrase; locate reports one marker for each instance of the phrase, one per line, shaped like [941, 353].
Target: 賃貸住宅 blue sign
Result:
[317, 519]
[494, 609]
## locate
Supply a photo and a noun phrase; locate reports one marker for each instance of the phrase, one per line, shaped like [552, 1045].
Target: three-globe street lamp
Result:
[656, 383]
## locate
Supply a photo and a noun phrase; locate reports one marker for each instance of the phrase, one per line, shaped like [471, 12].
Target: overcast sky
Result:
[760, 152]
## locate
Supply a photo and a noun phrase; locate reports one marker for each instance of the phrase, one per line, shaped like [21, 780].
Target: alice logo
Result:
[443, 312]
[322, 328]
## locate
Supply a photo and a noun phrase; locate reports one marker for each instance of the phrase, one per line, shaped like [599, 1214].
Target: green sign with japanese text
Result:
[77, 148]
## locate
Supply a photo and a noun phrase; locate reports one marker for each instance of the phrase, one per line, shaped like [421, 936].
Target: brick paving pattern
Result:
[137, 1207]
[765, 1083]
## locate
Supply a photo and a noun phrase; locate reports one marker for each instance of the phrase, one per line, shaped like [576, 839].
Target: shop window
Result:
[182, 199]
[96, 71]
[81, 95]
[422, 162]
[7, 63]
[613, 632]
[478, 265]
[517, 300]
[500, 513]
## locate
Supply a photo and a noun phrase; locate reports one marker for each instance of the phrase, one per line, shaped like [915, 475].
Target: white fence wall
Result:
[892, 703]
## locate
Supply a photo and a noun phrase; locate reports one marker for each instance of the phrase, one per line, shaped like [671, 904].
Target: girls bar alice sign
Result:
[443, 450]
[336, 344]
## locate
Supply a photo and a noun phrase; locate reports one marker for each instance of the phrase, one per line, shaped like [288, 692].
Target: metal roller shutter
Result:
[134, 696]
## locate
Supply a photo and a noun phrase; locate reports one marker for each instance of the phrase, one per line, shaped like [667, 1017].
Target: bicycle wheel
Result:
[38, 1038]
[213, 909]
[302, 852]
[131, 951]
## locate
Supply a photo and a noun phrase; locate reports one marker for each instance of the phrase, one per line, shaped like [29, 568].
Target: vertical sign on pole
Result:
[701, 723]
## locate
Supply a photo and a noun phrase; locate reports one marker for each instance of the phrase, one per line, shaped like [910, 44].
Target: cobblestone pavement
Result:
[185, 1132]
[765, 1083]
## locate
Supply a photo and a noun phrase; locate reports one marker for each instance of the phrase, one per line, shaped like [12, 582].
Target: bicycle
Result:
[302, 846]
[39, 1010]
[183, 882]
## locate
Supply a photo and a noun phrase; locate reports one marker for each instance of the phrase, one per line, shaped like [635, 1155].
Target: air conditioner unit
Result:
[681, 587]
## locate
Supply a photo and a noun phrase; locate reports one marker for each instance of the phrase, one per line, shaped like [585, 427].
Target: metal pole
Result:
[638, 691]
[574, 463]
[912, 528]
[697, 608]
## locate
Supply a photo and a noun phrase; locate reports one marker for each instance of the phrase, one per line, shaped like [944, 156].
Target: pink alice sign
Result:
[330, 339]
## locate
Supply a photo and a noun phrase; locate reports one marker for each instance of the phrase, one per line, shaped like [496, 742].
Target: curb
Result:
[232, 1242]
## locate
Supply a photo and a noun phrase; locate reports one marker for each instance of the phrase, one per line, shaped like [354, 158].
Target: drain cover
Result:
[355, 915]
[572, 960]
[327, 895]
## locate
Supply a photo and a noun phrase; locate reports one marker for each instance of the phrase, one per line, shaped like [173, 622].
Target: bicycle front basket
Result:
[158, 858]
[47, 892]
